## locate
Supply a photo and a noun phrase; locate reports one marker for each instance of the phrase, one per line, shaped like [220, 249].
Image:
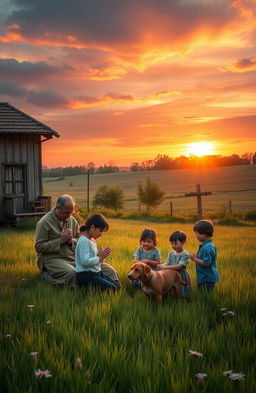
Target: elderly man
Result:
[56, 237]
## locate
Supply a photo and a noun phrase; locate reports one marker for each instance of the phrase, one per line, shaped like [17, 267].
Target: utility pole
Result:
[198, 194]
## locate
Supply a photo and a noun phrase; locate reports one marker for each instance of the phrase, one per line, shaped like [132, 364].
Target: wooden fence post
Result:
[171, 209]
[230, 207]
[198, 194]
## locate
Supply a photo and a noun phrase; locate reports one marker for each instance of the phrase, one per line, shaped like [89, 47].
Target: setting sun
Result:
[200, 149]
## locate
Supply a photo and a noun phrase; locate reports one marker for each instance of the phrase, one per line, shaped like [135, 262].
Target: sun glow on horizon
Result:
[200, 149]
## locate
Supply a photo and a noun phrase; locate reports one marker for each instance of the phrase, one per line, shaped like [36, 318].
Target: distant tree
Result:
[147, 165]
[232, 160]
[66, 171]
[91, 167]
[109, 197]
[135, 167]
[254, 159]
[107, 169]
[165, 162]
[151, 194]
[247, 158]
[183, 162]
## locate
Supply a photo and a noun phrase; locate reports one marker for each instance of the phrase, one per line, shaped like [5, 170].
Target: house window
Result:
[14, 180]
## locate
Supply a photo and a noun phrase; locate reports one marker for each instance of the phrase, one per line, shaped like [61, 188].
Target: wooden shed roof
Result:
[14, 121]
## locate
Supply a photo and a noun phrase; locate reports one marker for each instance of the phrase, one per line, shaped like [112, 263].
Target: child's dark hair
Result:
[178, 236]
[148, 233]
[204, 227]
[98, 220]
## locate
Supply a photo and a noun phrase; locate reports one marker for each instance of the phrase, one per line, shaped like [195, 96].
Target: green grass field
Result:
[237, 184]
[125, 343]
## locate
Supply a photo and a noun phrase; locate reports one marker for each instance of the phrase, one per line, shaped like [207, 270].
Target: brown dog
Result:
[156, 283]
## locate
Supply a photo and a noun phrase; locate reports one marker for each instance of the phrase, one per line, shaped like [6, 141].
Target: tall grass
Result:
[125, 343]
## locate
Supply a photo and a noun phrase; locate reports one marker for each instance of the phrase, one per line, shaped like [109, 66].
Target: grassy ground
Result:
[237, 184]
[126, 344]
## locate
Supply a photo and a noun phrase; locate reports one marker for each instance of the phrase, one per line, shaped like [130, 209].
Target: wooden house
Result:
[21, 190]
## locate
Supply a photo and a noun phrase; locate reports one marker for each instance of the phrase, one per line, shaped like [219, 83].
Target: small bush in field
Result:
[109, 197]
[250, 215]
[150, 195]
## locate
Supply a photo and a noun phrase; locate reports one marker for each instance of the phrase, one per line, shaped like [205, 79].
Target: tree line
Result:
[78, 170]
[161, 162]
[164, 162]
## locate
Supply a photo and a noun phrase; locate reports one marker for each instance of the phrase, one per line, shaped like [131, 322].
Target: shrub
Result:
[250, 215]
[150, 195]
[109, 197]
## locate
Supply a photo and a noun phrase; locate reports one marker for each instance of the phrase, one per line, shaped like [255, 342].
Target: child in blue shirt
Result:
[205, 259]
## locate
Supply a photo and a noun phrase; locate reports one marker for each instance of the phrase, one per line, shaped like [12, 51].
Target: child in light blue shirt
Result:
[178, 259]
[206, 270]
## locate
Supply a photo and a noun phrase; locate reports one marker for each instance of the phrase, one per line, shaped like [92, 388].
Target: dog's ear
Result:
[147, 271]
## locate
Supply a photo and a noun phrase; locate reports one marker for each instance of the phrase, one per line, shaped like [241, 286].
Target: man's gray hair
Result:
[61, 201]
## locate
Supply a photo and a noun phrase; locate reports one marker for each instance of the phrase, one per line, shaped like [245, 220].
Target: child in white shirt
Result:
[89, 260]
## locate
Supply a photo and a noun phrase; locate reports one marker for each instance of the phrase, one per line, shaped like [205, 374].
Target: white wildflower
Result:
[195, 353]
[43, 373]
[201, 377]
[236, 376]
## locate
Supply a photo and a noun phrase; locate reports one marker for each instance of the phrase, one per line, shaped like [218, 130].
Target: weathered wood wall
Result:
[21, 150]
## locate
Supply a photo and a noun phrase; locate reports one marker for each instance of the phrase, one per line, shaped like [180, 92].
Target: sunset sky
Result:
[126, 80]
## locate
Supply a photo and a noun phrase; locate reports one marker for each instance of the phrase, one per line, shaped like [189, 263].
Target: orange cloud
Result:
[246, 8]
[47, 39]
[109, 72]
[242, 65]
[114, 98]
